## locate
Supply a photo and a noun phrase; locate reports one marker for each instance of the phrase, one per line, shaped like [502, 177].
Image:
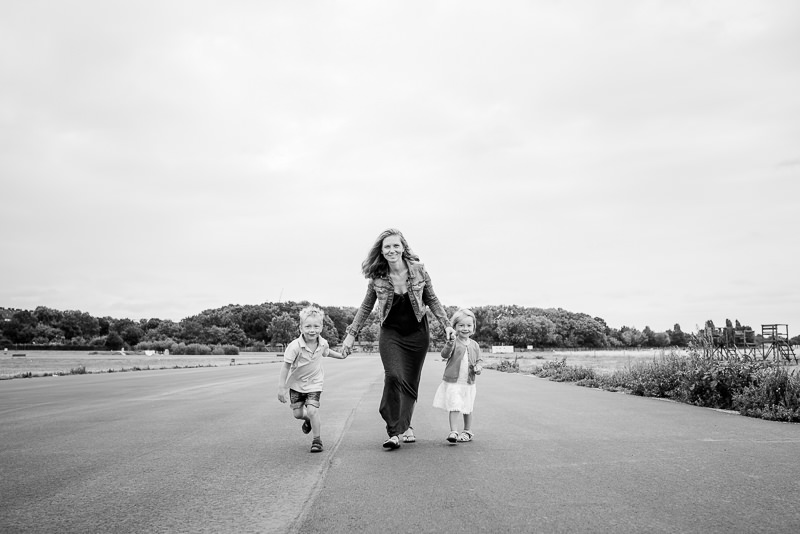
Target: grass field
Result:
[46, 363]
[602, 361]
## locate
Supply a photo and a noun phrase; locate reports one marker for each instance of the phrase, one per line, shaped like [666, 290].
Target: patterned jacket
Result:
[381, 289]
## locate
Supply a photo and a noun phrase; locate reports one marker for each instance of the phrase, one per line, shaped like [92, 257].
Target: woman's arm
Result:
[361, 315]
[431, 300]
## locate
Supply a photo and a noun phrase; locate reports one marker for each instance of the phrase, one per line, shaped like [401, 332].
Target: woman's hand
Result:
[450, 333]
[347, 344]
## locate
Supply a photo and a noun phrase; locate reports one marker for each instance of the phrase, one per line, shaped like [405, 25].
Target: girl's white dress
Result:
[458, 396]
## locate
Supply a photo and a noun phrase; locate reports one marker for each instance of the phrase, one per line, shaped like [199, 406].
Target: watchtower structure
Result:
[730, 342]
[775, 343]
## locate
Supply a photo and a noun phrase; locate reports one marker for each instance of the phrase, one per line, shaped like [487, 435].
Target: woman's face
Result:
[392, 249]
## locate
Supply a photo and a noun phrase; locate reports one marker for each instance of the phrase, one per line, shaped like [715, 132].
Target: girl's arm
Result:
[447, 351]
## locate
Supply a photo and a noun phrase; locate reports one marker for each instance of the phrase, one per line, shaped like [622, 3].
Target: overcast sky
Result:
[633, 160]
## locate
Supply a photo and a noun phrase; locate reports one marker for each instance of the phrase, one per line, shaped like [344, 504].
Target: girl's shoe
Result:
[452, 437]
[466, 436]
[316, 445]
[392, 443]
[306, 428]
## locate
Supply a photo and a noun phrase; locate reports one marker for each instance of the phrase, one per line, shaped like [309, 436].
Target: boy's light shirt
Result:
[306, 373]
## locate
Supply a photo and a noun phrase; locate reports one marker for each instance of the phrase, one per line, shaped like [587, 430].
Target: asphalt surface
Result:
[212, 450]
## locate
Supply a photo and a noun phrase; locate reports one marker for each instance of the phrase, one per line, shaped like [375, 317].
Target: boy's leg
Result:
[299, 409]
[312, 407]
[298, 401]
[313, 416]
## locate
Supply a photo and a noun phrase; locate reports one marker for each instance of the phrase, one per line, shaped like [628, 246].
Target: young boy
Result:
[302, 372]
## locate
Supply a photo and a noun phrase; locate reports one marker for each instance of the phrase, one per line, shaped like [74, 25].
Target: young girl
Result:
[456, 393]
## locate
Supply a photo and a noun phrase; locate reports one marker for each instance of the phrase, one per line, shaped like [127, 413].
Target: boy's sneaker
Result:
[306, 428]
[316, 445]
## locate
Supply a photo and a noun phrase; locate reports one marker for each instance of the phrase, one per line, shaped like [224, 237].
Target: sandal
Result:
[466, 436]
[452, 437]
[316, 445]
[409, 436]
[306, 428]
[392, 443]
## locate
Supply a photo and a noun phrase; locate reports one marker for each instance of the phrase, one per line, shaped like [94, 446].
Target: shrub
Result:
[592, 382]
[78, 370]
[559, 371]
[193, 349]
[230, 350]
[98, 342]
[773, 395]
[713, 383]
[114, 341]
[198, 349]
[660, 378]
[504, 366]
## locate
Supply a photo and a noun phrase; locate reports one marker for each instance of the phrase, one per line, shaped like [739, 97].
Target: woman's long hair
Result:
[375, 265]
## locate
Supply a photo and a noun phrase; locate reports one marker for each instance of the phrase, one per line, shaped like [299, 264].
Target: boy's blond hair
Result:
[460, 314]
[311, 311]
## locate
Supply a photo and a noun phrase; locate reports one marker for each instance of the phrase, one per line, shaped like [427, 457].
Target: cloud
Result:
[606, 158]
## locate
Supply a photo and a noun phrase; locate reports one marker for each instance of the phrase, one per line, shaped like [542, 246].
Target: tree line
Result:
[258, 326]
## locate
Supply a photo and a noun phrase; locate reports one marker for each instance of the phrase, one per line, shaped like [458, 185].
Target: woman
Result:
[403, 290]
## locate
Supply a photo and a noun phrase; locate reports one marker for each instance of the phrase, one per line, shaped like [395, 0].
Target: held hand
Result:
[347, 344]
[450, 333]
[282, 395]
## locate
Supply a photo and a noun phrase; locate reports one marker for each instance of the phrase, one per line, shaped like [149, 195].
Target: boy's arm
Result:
[333, 354]
[282, 389]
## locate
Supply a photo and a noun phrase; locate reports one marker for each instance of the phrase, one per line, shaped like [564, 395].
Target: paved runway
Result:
[212, 450]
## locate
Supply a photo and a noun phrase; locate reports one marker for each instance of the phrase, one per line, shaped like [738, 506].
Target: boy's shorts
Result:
[298, 399]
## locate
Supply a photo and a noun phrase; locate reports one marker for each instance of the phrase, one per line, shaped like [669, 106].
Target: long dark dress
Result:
[403, 346]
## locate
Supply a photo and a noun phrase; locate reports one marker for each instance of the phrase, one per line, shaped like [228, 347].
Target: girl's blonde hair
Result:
[375, 265]
[460, 314]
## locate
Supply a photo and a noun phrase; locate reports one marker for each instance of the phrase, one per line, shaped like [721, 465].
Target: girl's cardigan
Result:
[453, 352]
